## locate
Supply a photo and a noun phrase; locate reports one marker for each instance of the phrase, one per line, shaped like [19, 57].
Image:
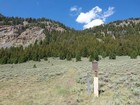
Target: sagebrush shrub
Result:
[34, 66]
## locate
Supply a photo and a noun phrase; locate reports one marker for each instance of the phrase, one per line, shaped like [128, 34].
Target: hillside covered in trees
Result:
[116, 38]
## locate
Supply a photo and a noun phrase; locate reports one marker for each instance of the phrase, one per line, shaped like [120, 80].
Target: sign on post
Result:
[95, 69]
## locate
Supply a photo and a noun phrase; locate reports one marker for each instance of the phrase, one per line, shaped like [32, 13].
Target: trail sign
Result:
[95, 68]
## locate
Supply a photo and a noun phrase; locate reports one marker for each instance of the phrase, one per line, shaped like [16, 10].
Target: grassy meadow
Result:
[61, 82]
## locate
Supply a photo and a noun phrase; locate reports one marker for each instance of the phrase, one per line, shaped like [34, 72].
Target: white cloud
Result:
[88, 16]
[94, 17]
[93, 23]
[108, 13]
[74, 8]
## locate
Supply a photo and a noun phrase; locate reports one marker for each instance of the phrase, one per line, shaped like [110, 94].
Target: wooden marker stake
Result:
[96, 86]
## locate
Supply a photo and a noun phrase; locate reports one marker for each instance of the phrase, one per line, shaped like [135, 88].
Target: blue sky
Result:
[78, 14]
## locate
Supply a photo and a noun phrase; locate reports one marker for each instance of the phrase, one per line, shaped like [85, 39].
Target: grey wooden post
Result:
[96, 85]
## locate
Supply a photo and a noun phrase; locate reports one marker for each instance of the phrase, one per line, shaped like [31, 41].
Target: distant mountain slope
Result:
[16, 31]
[1, 15]
[117, 28]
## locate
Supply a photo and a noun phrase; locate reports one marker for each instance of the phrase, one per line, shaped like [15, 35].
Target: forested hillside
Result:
[116, 38]
[118, 28]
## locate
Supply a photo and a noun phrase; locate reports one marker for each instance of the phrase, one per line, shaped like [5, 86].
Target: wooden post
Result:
[96, 86]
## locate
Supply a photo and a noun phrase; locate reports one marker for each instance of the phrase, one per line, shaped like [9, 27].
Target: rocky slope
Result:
[13, 35]
[18, 31]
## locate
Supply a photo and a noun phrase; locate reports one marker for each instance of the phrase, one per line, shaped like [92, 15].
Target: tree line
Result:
[68, 45]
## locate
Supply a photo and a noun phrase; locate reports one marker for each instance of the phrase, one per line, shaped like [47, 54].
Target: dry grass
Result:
[60, 82]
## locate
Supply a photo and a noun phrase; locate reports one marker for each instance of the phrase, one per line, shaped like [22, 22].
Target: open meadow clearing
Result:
[61, 82]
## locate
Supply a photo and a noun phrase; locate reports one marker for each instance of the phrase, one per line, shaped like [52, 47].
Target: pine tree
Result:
[68, 57]
[112, 55]
[78, 57]
[104, 54]
[45, 58]
[94, 56]
[62, 56]
[85, 52]
[133, 55]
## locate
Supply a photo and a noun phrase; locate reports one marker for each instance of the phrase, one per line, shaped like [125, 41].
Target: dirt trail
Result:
[63, 88]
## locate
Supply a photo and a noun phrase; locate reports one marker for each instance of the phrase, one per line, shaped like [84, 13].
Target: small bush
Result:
[34, 66]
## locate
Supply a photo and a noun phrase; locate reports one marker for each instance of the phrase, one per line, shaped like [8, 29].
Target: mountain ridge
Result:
[118, 28]
[16, 31]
